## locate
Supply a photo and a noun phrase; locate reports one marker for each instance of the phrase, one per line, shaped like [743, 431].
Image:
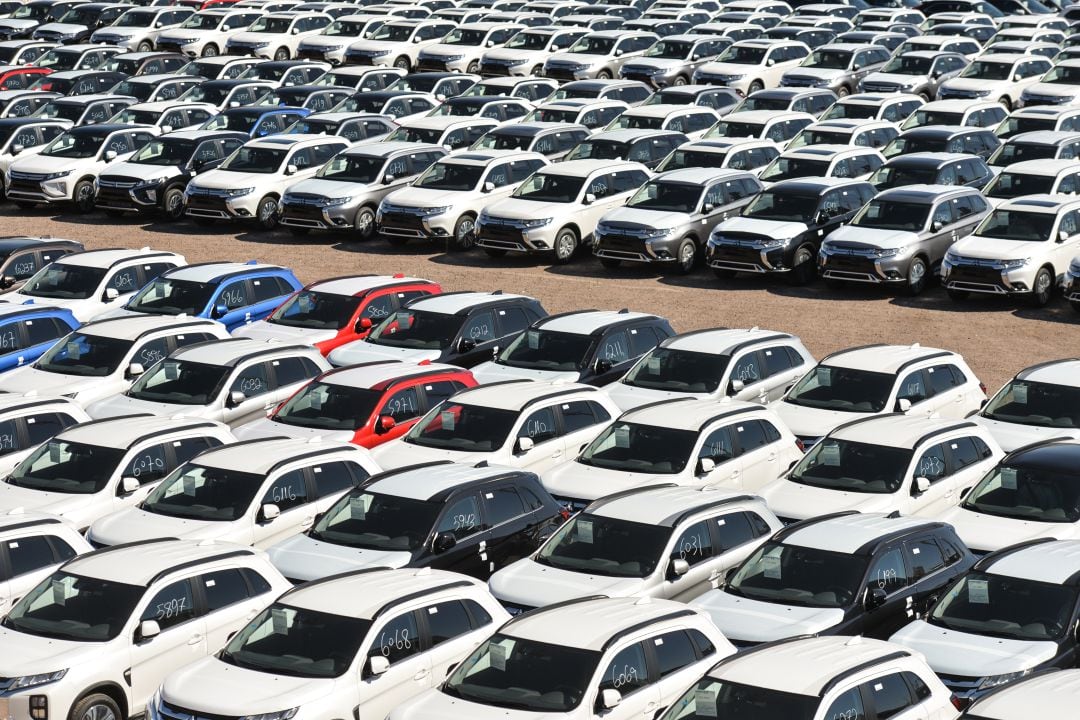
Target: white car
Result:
[453, 132]
[351, 644]
[96, 638]
[853, 383]
[461, 49]
[730, 445]
[526, 424]
[96, 468]
[886, 463]
[1029, 495]
[205, 33]
[29, 137]
[64, 170]
[104, 357]
[167, 115]
[1040, 403]
[1024, 247]
[27, 420]
[138, 29]
[398, 43]
[35, 544]
[820, 678]
[331, 44]
[93, 282]
[250, 183]
[777, 127]
[444, 202]
[1053, 693]
[525, 53]
[753, 365]
[752, 65]
[1059, 86]
[691, 120]
[251, 493]
[599, 55]
[232, 381]
[736, 153]
[590, 659]
[660, 542]
[996, 76]
[277, 36]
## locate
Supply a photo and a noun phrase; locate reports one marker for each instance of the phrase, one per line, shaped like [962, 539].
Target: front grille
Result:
[880, 87]
[302, 212]
[311, 54]
[401, 220]
[115, 198]
[559, 73]
[960, 683]
[17, 176]
[168, 45]
[1046, 99]
[954, 94]
[117, 181]
[303, 199]
[175, 712]
[202, 202]
[360, 59]
[431, 65]
[110, 39]
[799, 82]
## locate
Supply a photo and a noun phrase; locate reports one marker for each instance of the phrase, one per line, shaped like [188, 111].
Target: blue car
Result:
[234, 294]
[27, 331]
[256, 121]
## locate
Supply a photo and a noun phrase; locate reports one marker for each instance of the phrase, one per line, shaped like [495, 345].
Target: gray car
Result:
[672, 60]
[901, 236]
[669, 218]
[920, 72]
[838, 67]
[599, 55]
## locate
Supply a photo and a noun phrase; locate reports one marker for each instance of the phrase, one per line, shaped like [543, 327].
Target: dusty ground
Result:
[997, 337]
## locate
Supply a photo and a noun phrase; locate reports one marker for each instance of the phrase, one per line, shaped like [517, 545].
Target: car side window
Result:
[539, 426]
[747, 369]
[480, 327]
[627, 671]
[252, 380]
[440, 390]
[931, 464]
[234, 295]
[913, 388]
[150, 464]
[461, 518]
[849, 706]
[398, 639]
[379, 307]
[292, 370]
[187, 448]
[403, 405]
[577, 415]
[223, 588]
[614, 347]
[503, 504]
[172, 605]
[890, 695]
[965, 452]
[673, 652]
[944, 377]
[925, 557]
[40, 428]
[694, 544]
[288, 492]
[888, 572]
[27, 554]
[334, 477]
[751, 435]
[719, 446]
[125, 280]
[447, 620]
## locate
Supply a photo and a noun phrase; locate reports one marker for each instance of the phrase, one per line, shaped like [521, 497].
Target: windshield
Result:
[1025, 402]
[1013, 125]
[1010, 185]
[916, 144]
[836, 464]
[785, 207]
[606, 546]
[298, 642]
[742, 55]
[166, 151]
[408, 134]
[636, 448]
[985, 70]
[71, 145]
[204, 493]
[136, 18]
[829, 59]
[450, 176]
[67, 468]
[590, 45]
[71, 607]
[364, 169]
[670, 49]
[1012, 152]
[254, 160]
[893, 215]
[417, 329]
[344, 28]
[764, 102]
[202, 22]
[521, 674]
[712, 698]
[58, 59]
[416, 83]
[276, 25]
[1006, 607]
[898, 175]
[544, 187]
[784, 168]
[1017, 225]
[172, 297]
[908, 65]
[797, 575]
[85, 355]
[1062, 75]
[471, 38]
[1027, 493]
[843, 389]
[692, 158]
[821, 137]
[316, 310]
[129, 116]
[326, 406]
[375, 521]
[64, 281]
[547, 350]
[736, 128]
[599, 150]
[667, 196]
[529, 41]
[850, 110]
[394, 33]
[496, 140]
[678, 371]
[465, 428]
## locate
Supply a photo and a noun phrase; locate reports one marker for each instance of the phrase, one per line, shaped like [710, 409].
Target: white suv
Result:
[257, 493]
[35, 544]
[362, 643]
[277, 36]
[28, 420]
[97, 637]
[93, 282]
[251, 182]
[752, 65]
[520, 423]
[1023, 247]
[102, 358]
[96, 468]
[886, 463]
[1041, 402]
[874, 379]
[205, 33]
[658, 542]
[733, 445]
[525, 53]
[1054, 693]
[399, 42]
[609, 658]
[138, 29]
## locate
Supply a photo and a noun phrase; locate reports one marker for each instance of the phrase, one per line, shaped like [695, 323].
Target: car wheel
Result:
[83, 196]
[1006, 102]
[755, 86]
[96, 707]
[603, 75]
[144, 46]
[610, 263]
[267, 213]
[723, 273]
[925, 97]
[282, 53]
[565, 245]
[474, 67]
[803, 269]
[842, 91]
[495, 252]
[364, 224]
[1042, 290]
[917, 277]
[402, 63]
[464, 233]
[172, 203]
[686, 257]
[538, 71]
[957, 295]
[211, 50]
[680, 80]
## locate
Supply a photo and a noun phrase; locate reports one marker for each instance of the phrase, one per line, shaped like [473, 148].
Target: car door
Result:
[694, 545]
[889, 573]
[396, 639]
[402, 405]
[611, 358]
[756, 444]
[293, 497]
[182, 639]
[461, 520]
[783, 367]
[718, 447]
[505, 514]
[931, 462]
[548, 447]
[475, 340]
[1064, 250]
[452, 630]
[231, 306]
[253, 381]
[232, 597]
[746, 378]
[627, 673]
[943, 231]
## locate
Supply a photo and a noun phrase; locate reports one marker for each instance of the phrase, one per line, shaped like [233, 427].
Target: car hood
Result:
[421, 197]
[48, 164]
[527, 209]
[628, 397]
[1011, 436]
[67, 505]
[443, 50]
[435, 705]
[369, 45]
[575, 480]
[790, 499]
[254, 37]
[46, 383]
[225, 180]
[136, 524]
[262, 330]
[360, 351]
[303, 558]
[185, 34]
[29, 654]
[776, 229]
[722, 68]
[655, 62]
[895, 78]
[578, 58]
[490, 372]
[966, 654]
[755, 621]
[531, 584]
[13, 24]
[325, 41]
[871, 237]
[265, 427]
[327, 188]
[987, 533]
[984, 248]
[815, 73]
[648, 218]
[812, 422]
[141, 171]
[121, 32]
[972, 84]
[238, 691]
[397, 454]
[62, 28]
[1051, 90]
[124, 405]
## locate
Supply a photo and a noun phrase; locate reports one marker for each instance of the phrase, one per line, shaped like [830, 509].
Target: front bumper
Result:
[514, 238]
[660, 79]
[861, 267]
[438, 64]
[557, 72]
[747, 257]
[411, 223]
[218, 207]
[1072, 287]
[987, 277]
[125, 197]
[33, 188]
[352, 58]
[633, 248]
[192, 50]
[491, 68]
[265, 52]
[316, 217]
[334, 56]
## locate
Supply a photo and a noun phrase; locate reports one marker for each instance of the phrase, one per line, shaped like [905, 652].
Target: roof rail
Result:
[786, 531]
[331, 578]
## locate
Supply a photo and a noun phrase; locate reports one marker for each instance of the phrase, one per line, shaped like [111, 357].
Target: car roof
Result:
[123, 431]
[262, 455]
[378, 373]
[444, 122]
[851, 534]
[360, 284]
[1058, 372]
[364, 593]
[386, 149]
[664, 505]
[815, 185]
[140, 563]
[435, 481]
[132, 327]
[721, 341]
[587, 322]
[1044, 695]
[592, 622]
[517, 394]
[883, 358]
[581, 168]
[213, 271]
[1053, 455]
[461, 302]
[1042, 203]
[897, 430]
[1056, 562]
[16, 402]
[18, 242]
[1050, 168]
[928, 158]
[1044, 137]
[924, 193]
[826, 152]
[107, 257]
[701, 175]
[291, 141]
[233, 350]
[689, 413]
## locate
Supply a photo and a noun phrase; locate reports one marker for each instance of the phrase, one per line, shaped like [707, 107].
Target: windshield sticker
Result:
[705, 703]
[583, 531]
[498, 654]
[447, 419]
[830, 455]
[280, 620]
[978, 591]
[771, 564]
[1008, 478]
[1020, 394]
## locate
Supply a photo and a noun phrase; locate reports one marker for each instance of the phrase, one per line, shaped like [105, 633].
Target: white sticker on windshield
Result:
[446, 418]
[772, 567]
[653, 365]
[705, 703]
[315, 400]
[583, 531]
[533, 338]
[1019, 393]
[280, 620]
[357, 508]
[189, 484]
[622, 436]
[59, 592]
[825, 376]
[1008, 478]
[978, 591]
[830, 455]
[497, 653]
[72, 349]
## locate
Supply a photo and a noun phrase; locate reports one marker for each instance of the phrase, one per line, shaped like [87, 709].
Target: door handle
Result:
[556, 454]
[420, 675]
[772, 457]
[195, 639]
[307, 522]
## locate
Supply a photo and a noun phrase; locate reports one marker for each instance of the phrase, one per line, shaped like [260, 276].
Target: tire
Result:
[144, 46]
[83, 196]
[1042, 289]
[211, 50]
[538, 71]
[282, 53]
[755, 86]
[473, 68]
[723, 273]
[266, 214]
[842, 91]
[1006, 102]
[566, 243]
[364, 224]
[603, 75]
[172, 202]
[957, 295]
[25, 204]
[679, 81]
[803, 265]
[918, 276]
[95, 706]
[686, 257]
[610, 263]
[402, 63]
[495, 252]
[464, 233]
[926, 97]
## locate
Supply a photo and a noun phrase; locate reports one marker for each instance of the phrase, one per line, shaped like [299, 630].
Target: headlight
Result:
[951, 257]
[891, 252]
[237, 192]
[379, 53]
[774, 244]
[57, 175]
[659, 232]
[1014, 264]
[435, 210]
[29, 681]
[993, 681]
[515, 63]
[1074, 269]
[152, 183]
[453, 58]
[332, 47]
[261, 44]
[539, 222]
[337, 202]
[280, 715]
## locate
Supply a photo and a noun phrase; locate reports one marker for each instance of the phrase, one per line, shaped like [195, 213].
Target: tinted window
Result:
[224, 588]
[848, 706]
[403, 405]
[188, 448]
[293, 370]
[398, 639]
[438, 391]
[28, 554]
[888, 572]
[890, 695]
[447, 620]
[503, 504]
[642, 340]
[674, 651]
[171, 606]
[512, 320]
[932, 464]
[751, 435]
[40, 428]
[462, 518]
[149, 465]
[333, 477]
[288, 491]
[964, 452]
[577, 416]
[733, 530]
[925, 558]
[694, 545]
[44, 330]
[627, 672]
[539, 426]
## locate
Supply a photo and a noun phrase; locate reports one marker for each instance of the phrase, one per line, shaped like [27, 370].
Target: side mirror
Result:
[16, 149]
[235, 398]
[135, 369]
[363, 324]
[489, 43]
[110, 155]
[443, 542]
[875, 598]
[589, 198]
[770, 62]
[128, 485]
[489, 187]
[149, 629]
[679, 567]
[111, 294]
[291, 170]
[601, 366]
[269, 512]
[1062, 236]
[523, 445]
[225, 28]
[737, 386]
[705, 466]
[7, 281]
[610, 699]
[220, 311]
[166, 128]
[920, 486]
[1017, 77]
[378, 664]
[708, 208]
[903, 405]
[384, 424]
[935, 226]
[294, 31]
[387, 179]
[618, 53]
[466, 344]
[159, 24]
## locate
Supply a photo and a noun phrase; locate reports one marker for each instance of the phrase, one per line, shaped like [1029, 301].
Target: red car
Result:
[332, 312]
[366, 404]
[20, 77]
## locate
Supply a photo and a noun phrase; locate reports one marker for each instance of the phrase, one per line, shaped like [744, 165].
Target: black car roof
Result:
[1056, 456]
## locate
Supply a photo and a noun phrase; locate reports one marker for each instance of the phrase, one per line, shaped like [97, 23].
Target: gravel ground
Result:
[996, 337]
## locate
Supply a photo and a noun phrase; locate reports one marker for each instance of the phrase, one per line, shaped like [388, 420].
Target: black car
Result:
[808, 100]
[469, 519]
[79, 82]
[944, 138]
[38, 12]
[82, 20]
[161, 169]
[552, 140]
[721, 99]
[780, 230]
[21, 257]
[932, 169]
[145, 63]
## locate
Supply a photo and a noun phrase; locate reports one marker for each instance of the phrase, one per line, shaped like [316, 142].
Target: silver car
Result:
[837, 67]
[598, 55]
[673, 59]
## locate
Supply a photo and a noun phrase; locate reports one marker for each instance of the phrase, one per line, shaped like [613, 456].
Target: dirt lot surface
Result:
[997, 337]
